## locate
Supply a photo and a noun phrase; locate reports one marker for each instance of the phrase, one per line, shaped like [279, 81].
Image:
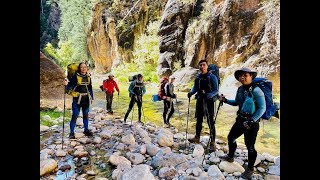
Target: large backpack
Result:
[214, 69]
[161, 91]
[71, 70]
[266, 86]
[132, 78]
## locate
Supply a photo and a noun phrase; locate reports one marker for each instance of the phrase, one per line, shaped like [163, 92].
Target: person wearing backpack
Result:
[252, 105]
[136, 90]
[108, 87]
[168, 101]
[206, 87]
[80, 87]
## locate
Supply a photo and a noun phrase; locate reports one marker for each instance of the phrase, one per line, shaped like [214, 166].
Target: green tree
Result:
[75, 16]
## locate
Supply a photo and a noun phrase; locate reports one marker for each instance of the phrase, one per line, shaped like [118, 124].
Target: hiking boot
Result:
[87, 133]
[212, 147]
[71, 136]
[196, 139]
[165, 125]
[246, 174]
[227, 158]
[141, 123]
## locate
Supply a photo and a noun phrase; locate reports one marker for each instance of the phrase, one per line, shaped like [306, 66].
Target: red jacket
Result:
[109, 85]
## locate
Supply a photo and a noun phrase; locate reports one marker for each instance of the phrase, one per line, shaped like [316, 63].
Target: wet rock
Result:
[102, 166]
[277, 161]
[135, 158]
[116, 160]
[84, 140]
[79, 121]
[105, 134]
[47, 166]
[164, 137]
[97, 140]
[117, 174]
[80, 153]
[65, 167]
[198, 151]
[44, 128]
[91, 173]
[214, 159]
[237, 174]
[260, 169]
[240, 161]
[141, 172]
[272, 177]
[44, 155]
[73, 143]
[268, 157]
[167, 172]
[143, 149]
[275, 170]
[128, 139]
[231, 167]
[78, 135]
[170, 159]
[61, 153]
[92, 153]
[152, 149]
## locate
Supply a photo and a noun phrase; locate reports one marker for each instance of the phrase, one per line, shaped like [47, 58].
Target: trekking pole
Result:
[144, 119]
[187, 125]
[118, 102]
[178, 107]
[64, 112]
[132, 114]
[209, 124]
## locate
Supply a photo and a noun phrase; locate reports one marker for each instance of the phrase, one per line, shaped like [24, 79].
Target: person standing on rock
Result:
[206, 87]
[136, 90]
[248, 117]
[108, 87]
[80, 87]
[168, 101]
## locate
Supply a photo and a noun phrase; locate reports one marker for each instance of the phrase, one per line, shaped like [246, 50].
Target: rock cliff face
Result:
[51, 84]
[114, 28]
[229, 33]
[50, 24]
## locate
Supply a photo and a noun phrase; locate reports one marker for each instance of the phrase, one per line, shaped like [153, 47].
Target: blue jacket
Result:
[214, 85]
[258, 96]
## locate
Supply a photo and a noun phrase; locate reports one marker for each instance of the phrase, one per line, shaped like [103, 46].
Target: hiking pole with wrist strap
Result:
[178, 107]
[64, 111]
[118, 102]
[144, 119]
[205, 108]
[187, 125]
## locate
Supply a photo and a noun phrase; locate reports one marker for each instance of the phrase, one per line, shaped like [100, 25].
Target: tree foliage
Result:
[75, 17]
[145, 55]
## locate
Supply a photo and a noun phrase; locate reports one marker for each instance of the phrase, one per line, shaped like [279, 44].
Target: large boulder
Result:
[51, 84]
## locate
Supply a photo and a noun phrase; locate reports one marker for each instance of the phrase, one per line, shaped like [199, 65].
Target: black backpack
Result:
[214, 69]
[132, 78]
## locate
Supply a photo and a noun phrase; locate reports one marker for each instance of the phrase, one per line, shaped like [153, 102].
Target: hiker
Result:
[168, 101]
[136, 90]
[247, 122]
[80, 87]
[206, 87]
[108, 88]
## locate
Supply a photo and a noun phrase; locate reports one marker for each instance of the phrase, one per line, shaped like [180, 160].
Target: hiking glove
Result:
[189, 95]
[248, 123]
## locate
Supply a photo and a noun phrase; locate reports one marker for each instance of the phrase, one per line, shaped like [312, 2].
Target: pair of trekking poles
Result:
[144, 119]
[209, 124]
